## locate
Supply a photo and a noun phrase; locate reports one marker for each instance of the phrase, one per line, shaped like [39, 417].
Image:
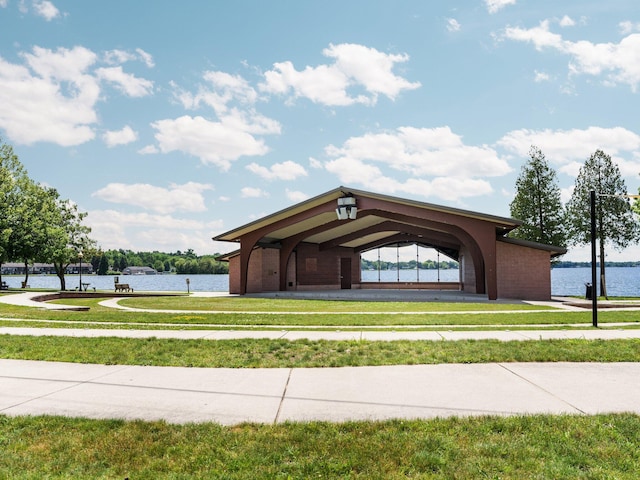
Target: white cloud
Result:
[120, 137]
[116, 57]
[148, 150]
[566, 193]
[50, 99]
[494, 6]
[52, 96]
[221, 89]
[315, 163]
[356, 172]
[355, 67]
[296, 196]
[251, 192]
[435, 162]
[568, 149]
[423, 151]
[541, 77]
[46, 9]
[619, 62]
[279, 171]
[148, 232]
[127, 83]
[145, 57]
[186, 198]
[3, 3]
[218, 143]
[453, 25]
[628, 27]
[567, 21]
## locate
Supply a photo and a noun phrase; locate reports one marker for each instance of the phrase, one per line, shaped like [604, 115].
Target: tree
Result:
[537, 203]
[615, 222]
[12, 176]
[103, 266]
[29, 236]
[67, 236]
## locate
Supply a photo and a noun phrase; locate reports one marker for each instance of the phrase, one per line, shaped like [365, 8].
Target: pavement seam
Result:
[535, 385]
[284, 394]
[73, 384]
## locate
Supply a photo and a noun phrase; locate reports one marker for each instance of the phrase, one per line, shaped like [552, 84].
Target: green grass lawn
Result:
[540, 446]
[263, 353]
[246, 304]
[489, 315]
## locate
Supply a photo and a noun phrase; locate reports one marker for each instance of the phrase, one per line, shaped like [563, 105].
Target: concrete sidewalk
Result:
[437, 334]
[232, 396]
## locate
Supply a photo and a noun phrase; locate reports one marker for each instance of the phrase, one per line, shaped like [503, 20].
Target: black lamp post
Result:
[594, 276]
[80, 270]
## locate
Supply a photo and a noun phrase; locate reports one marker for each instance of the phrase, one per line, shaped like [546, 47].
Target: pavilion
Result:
[316, 245]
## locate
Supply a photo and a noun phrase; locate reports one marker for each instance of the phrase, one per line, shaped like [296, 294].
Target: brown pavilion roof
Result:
[370, 228]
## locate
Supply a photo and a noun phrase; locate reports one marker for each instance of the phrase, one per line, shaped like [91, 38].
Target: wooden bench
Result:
[122, 287]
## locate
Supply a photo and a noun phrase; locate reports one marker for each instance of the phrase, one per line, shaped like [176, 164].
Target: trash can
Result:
[589, 291]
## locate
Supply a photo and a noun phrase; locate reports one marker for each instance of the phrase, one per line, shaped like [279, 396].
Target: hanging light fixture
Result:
[347, 208]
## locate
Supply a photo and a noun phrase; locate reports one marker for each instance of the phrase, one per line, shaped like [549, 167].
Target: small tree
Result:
[103, 266]
[615, 222]
[537, 203]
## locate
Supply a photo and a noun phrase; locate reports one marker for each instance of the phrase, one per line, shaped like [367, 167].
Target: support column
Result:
[487, 243]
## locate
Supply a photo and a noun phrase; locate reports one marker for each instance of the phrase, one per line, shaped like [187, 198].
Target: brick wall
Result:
[321, 269]
[523, 273]
[270, 269]
[467, 271]
[292, 279]
[263, 270]
[234, 274]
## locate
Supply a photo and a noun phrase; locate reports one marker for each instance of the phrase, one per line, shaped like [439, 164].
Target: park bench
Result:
[122, 287]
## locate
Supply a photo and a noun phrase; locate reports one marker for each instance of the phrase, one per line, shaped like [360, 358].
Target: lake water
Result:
[621, 281]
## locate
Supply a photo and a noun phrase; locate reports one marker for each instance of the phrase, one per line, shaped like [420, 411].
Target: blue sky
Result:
[172, 122]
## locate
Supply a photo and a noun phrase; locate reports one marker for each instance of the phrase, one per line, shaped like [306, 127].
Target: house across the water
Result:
[139, 271]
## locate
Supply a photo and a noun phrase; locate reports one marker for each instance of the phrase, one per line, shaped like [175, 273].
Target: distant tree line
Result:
[569, 264]
[410, 265]
[115, 261]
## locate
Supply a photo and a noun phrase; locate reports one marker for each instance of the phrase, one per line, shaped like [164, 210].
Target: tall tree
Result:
[103, 266]
[12, 177]
[29, 236]
[615, 222]
[537, 203]
[66, 235]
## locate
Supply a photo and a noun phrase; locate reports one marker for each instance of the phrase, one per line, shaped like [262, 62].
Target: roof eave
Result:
[503, 224]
